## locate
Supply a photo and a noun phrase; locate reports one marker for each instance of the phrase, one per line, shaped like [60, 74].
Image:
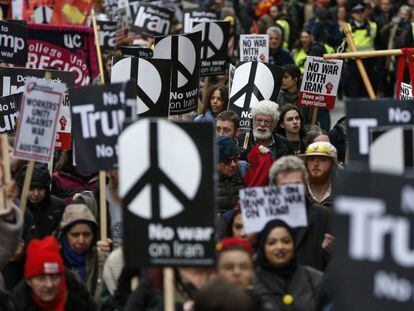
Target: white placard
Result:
[259, 205]
[35, 136]
[406, 91]
[254, 48]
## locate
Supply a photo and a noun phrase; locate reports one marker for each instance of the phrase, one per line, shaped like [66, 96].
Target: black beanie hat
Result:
[40, 177]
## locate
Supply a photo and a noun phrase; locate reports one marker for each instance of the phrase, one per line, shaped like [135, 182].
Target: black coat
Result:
[78, 297]
[47, 214]
[303, 286]
[227, 195]
[309, 239]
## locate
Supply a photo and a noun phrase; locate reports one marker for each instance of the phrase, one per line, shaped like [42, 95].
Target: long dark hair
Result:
[280, 130]
[224, 94]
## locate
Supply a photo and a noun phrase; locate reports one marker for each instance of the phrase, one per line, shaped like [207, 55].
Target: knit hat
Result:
[234, 243]
[227, 148]
[40, 177]
[43, 257]
[76, 213]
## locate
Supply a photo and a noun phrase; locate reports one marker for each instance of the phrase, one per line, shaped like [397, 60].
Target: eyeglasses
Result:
[265, 121]
[230, 160]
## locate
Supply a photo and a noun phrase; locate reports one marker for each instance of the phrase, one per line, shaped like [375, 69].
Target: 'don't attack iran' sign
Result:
[35, 135]
[152, 20]
[259, 205]
[192, 16]
[254, 48]
[214, 42]
[374, 226]
[167, 193]
[320, 83]
[107, 32]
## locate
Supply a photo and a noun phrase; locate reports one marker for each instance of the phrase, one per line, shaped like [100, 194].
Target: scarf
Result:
[57, 304]
[74, 260]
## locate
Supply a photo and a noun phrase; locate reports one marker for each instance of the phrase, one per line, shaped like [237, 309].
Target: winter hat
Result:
[43, 257]
[234, 243]
[40, 177]
[227, 148]
[77, 213]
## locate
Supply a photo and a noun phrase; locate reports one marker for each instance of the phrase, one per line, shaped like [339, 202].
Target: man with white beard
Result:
[265, 115]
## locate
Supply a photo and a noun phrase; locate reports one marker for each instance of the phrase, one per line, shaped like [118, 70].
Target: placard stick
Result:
[169, 303]
[380, 53]
[26, 186]
[102, 175]
[359, 62]
[314, 116]
[5, 175]
[205, 89]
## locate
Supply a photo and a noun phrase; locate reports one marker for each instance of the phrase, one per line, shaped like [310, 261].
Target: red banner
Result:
[68, 48]
[312, 100]
[71, 11]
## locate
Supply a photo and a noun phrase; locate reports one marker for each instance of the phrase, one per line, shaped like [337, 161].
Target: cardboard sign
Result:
[107, 32]
[373, 240]
[406, 91]
[166, 192]
[192, 16]
[98, 113]
[259, 205]
[71, 12]
[152, 78]
[152, 20]
[65, 48]
[9, 112]
[215, 36]
[36, 131]
[136, 51]
[253, 82]
[13, 42]
[184, 53]
[5, 175]
[366, 124]
[13, 80]
[320, 83]
[254, 48]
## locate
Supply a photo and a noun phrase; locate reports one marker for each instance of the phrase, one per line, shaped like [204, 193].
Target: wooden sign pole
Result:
[169, 303]
[102, 175]
[5, 175]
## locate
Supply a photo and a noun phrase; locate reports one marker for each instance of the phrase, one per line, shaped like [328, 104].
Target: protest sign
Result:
[365, 125]
[9, 112]
[197, 15]
[152, 78]
[184, 53]
[152, 20]
[166, 191]
[13, 80]
[42, 14]
[36, 130]
[5, 175]
[65, 48]
[136, 51]
[320, 83]
[98, 113]
[107, 32]
[253, 82]
[13, 42]
[254, 48]
[71, 12]
[259, 205]
[406, 91]
[215, 36]
[373, 240]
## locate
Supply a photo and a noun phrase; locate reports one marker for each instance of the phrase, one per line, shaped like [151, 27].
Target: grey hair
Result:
[287, 164]
[266, 107]
[275, 30]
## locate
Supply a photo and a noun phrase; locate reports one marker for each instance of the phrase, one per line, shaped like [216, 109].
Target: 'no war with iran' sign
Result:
[259, 205]
[35, 136]
[320, 83]
[254, 48]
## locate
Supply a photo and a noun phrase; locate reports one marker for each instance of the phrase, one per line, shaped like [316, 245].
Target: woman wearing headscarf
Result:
[281, 283]
[78, 237]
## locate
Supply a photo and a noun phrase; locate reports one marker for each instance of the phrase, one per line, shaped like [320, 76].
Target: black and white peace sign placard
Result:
[166, 183]
[215, 36]
[152, 78]
[253, 82]
[183, 51]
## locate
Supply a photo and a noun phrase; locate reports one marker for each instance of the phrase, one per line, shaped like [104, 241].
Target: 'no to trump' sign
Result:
[320, 83]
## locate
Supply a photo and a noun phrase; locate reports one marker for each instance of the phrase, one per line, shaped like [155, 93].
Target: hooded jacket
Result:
[95, 259]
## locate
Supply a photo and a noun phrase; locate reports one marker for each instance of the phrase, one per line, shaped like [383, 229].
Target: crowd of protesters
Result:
[54, 259]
